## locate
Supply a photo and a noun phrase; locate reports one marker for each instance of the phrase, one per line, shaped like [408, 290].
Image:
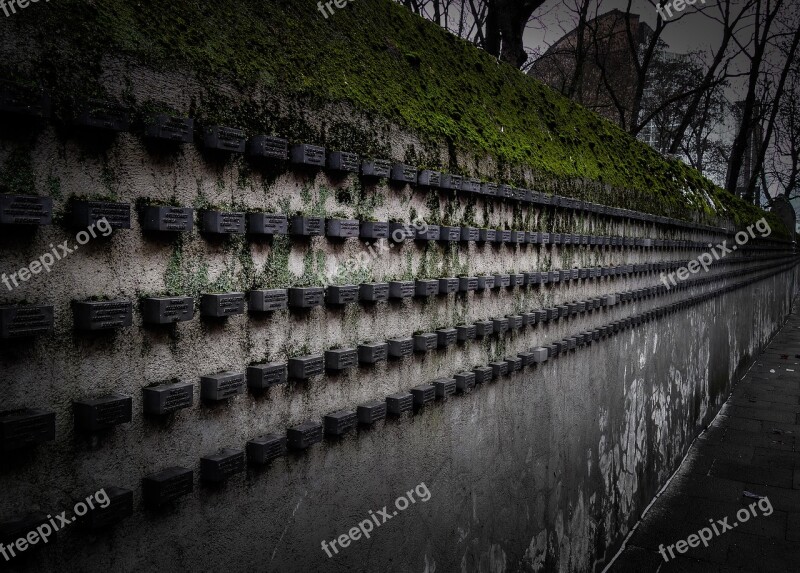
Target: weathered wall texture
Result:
[542, 470]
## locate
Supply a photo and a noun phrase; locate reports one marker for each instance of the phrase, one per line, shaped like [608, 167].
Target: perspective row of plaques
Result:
[26, 427]
[29, 321]
[162, 488]
[99, 115]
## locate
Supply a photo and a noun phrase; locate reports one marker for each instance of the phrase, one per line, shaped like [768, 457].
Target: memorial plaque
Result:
[167, 398]
[268, 300]
[444, 387]
[566, 275]
[221, 466]
[489, 189]
[514, 363]
[267, 147]
[487, 235]
[307, 155]
[403, 173]
[263, 376]
[398, 403]
[167, 310]
[119, 506]
[107, 115]
[566, 239]
[402, 289]
[167, 219]
[448, 285]
[371, 412]
[470, 185]
[526, 358]
[505, 191]
[340, 359]
[166, 486]
[466, 284]
[446, 337]
[102, 315]
[169, 128]
[372, 352]
[427, 233]
[267, 224]
[304, 367]
[544, 238]
[222, 305]
[516, 279]
[470, 234]
[306, 226]
[554, 276]
[425, 342]
[517, 237]
[485, 283]
[222, 223]
[86, 214]
[339, 423]
[502, 281]
[465, 332]
[449, 234]
[484, 328]
[343, 161]
[450, 181]
[399, 347]
[426, 287]
[304, 435]
[499, 368]
[373, 292]
[423, 394]
[499, 325]
[542, 316]
[374, 230]
[25, 321]
[428, 178]
[305, 297]
[102, 413]
[343, 228]
[25, 210]
[24, 100]
[502, 236]
[25, 428]
[341, 294]
[563, 311]
[399, 232]
[514, 321]
[572, 343]
[529, 318]
[532, 278]
[522, 195]
[465, 382]
[572, 307]
[483, 374]
[222, 138]
[218, 387]
[264, 449]
[533, 238]
[555, 238]
[376, 168]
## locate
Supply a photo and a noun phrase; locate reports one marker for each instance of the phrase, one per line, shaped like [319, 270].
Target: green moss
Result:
[382, 60]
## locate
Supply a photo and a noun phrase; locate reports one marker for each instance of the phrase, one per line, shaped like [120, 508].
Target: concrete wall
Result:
[542, 470]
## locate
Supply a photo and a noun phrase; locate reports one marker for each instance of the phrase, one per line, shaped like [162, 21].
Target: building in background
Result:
[594, 64]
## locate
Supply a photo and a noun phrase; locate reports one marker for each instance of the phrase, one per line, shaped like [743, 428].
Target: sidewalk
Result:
[753, 446]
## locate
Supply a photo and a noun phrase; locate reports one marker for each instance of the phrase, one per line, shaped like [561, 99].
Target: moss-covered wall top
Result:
[372, 55]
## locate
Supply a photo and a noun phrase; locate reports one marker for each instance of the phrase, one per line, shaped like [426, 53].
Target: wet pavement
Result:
[734, 505]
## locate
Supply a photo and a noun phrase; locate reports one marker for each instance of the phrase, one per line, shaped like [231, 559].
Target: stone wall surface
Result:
[543, 469]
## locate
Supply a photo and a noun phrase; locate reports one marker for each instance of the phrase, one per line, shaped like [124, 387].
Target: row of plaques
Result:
[27, 321]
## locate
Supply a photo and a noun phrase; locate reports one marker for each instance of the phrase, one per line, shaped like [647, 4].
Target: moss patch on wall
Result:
[382, 60]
